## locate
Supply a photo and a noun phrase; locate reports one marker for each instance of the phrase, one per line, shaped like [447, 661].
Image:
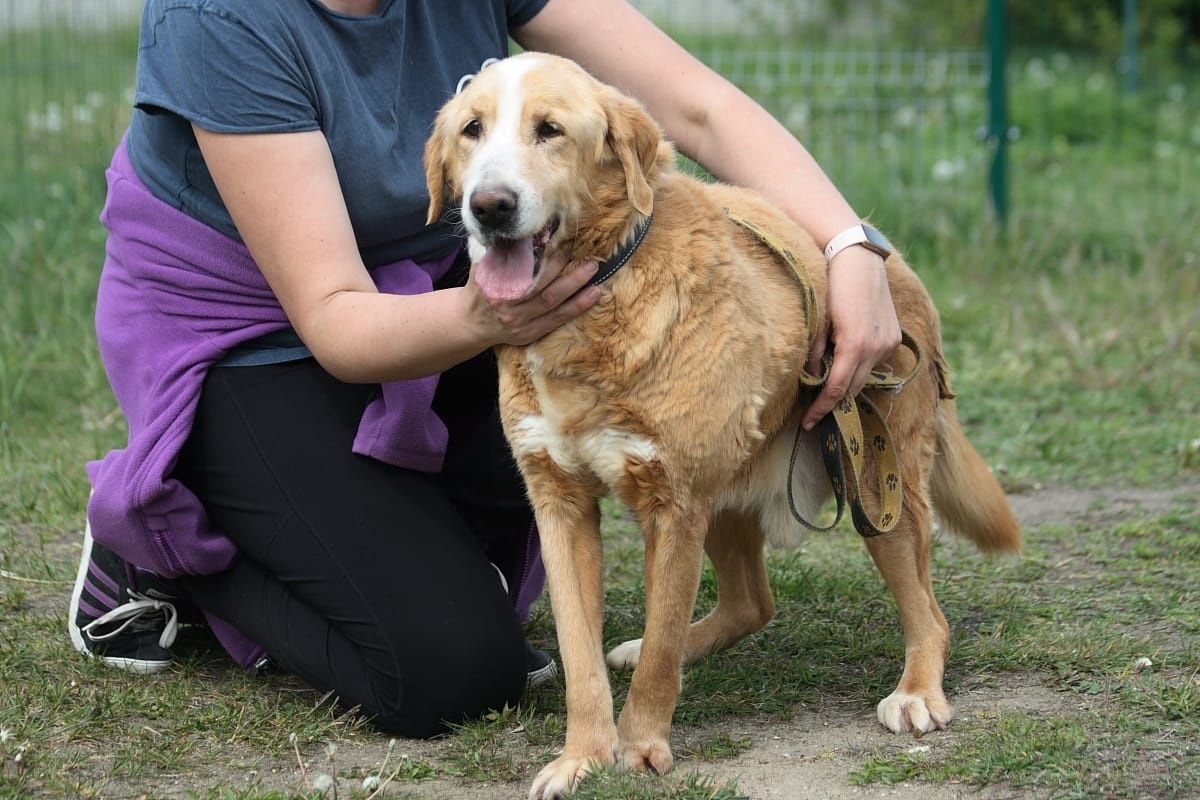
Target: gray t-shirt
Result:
[372, 85]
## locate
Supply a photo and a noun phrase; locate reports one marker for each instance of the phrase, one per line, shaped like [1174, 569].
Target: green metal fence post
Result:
[1132, 62]
[997, 135]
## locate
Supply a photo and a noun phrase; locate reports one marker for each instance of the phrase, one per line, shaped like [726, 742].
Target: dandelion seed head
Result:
[905, 117]
[945, 169]
[323, 782]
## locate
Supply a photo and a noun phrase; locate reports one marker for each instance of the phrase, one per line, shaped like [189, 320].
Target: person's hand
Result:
[861, 324]
[528, 319]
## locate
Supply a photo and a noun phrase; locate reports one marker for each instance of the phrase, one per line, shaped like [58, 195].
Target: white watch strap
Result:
[847, 238]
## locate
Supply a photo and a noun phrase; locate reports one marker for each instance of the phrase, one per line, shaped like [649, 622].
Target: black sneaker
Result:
[111, 620]
[540, 667]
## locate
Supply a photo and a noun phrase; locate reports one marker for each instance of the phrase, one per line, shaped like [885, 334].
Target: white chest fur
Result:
[602, 451]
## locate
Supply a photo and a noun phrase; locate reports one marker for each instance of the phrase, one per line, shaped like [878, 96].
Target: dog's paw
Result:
[559, 778]
[652, 754]
[625, 656]
[562, 775]
[901, 712]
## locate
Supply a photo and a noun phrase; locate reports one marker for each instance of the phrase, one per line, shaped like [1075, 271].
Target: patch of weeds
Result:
[893, 769]
[254, 793]
[412, 770]
[1112, 754]
[613, 784]
[542, 730]
[326, 780]
[486, 749]
[716, 747]
[12, 600]
[1171, 698]
[132, 759]
[1018, 749]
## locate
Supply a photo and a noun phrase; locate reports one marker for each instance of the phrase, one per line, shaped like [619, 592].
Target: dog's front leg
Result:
[674, 557]
[569, 524]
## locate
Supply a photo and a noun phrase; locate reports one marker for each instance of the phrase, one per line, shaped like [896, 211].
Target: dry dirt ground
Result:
[810, 756]
[807, 758]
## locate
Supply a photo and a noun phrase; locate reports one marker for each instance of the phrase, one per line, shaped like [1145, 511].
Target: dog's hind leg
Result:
[744, 600]
[674, 534]
[903, 556]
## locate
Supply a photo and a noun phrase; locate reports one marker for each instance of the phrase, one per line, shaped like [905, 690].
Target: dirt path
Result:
[807, 758]
[811, 757]
[1066, 506]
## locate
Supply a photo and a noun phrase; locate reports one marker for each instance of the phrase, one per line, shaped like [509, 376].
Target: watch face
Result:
[878, 240]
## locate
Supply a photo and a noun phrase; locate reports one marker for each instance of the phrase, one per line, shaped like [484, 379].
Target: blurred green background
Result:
[1073, 326]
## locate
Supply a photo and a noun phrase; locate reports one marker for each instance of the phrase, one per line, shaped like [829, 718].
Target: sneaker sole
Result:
[539, 676]
[135, 665]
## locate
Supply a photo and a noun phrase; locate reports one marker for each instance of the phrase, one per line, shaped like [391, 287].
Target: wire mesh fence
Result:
[66, 81]
[895, 119]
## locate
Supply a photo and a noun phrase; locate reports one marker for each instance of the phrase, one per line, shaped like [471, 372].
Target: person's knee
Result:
[451, 682]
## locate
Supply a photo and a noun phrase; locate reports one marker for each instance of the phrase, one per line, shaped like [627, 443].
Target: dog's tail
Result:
[967, 496]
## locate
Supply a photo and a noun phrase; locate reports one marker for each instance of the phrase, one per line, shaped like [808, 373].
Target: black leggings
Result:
[363, 578]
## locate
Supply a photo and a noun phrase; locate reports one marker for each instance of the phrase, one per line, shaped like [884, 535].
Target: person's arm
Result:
[717, 125]
[283, 194]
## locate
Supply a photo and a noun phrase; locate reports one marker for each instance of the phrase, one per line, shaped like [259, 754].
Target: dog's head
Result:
[533, 150]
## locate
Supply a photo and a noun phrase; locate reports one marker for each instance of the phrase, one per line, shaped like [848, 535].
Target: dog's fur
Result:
[679, 393]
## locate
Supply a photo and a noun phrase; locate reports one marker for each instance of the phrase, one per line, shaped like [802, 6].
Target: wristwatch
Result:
[862, 234]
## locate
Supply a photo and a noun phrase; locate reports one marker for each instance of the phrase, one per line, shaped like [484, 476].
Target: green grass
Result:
[1074, 614]
[1073, 339]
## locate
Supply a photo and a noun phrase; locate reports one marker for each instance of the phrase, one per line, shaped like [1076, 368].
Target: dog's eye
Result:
[472, 129]
[548, 130]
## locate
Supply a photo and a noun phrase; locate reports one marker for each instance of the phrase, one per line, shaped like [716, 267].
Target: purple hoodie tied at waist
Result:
[175, 296]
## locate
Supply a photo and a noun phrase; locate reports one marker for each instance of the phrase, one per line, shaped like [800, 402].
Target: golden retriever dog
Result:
[680, 392]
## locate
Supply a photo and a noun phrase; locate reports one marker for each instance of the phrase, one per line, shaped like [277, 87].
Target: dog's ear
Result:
[436, 154]
[633, 137]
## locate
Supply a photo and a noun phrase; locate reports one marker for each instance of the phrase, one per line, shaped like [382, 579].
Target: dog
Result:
[680, 393]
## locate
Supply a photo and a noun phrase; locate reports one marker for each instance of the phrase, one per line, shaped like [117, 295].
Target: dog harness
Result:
[854, 427]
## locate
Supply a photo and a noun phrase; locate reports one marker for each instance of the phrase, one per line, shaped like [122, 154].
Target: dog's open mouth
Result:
[510, 267]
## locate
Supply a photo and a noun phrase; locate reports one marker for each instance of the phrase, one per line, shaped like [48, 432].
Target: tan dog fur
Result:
[679, 394]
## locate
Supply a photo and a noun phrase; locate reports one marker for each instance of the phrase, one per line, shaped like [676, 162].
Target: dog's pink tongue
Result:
[506, 270]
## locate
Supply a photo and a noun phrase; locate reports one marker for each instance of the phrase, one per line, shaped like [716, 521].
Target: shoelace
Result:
[503, 580]
[136, 615]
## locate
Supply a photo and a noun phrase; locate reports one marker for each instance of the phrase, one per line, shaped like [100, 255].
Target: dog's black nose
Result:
[494, 209]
